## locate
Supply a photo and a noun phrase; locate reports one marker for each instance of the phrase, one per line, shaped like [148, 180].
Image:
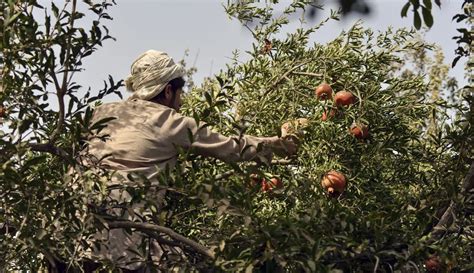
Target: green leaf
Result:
[208, 98]
[12, 19]
[455, 61]
[427, 17]
[220, 80]
[405, 9]
[427, 4]
[415, 3]
[55, 10]
[101, 123]
[417, 20]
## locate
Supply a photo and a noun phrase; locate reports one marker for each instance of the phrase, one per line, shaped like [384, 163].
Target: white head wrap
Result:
[150, 73]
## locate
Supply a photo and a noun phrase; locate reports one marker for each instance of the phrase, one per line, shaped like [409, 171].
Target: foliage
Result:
[46, 113]
[401, 179]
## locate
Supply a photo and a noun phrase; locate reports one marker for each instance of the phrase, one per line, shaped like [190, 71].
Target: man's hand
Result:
[285, 146]
[294, 127]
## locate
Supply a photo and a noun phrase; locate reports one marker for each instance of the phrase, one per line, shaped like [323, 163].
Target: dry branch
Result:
[447, 218]
[145, 227]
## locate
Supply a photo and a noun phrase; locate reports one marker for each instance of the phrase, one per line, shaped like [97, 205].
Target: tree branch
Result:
[274, 84]
[447, 218]
[63, 88]
[50, 148]
[145, 227]
[307, 74]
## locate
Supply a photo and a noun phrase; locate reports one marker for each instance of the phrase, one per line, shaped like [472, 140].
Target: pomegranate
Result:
[334, 182]
[272, 184]
[344, 98]
[323, 91]
[267, 47]
[360, 131]
[433, 265]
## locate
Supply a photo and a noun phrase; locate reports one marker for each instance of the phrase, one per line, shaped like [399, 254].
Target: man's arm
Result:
[230, 149]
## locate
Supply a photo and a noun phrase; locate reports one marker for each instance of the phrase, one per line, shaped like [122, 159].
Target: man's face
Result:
[176, 100]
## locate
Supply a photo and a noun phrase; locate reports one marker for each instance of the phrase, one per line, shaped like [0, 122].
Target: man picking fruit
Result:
[145, 135]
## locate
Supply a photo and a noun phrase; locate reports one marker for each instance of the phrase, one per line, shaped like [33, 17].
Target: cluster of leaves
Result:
[425, 11]
[464, 40]
[46, 115]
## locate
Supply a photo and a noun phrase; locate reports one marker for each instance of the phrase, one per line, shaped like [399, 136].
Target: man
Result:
[145, 137]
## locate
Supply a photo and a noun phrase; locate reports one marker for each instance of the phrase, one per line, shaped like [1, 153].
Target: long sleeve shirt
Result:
[145, 137]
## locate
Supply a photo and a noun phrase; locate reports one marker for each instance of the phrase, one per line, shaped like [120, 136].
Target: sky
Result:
[205, 31]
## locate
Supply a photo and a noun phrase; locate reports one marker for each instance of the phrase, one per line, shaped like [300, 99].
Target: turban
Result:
[150, 73]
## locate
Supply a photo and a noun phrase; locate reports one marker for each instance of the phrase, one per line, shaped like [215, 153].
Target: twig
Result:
[307, 74]
[62, 90]
[50, 148]
[377, 261]
[274, 84]
[145, 227]
[18, 232]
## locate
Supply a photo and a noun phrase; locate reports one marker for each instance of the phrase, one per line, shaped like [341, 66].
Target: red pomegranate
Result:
[334, 182]
[323, 91]
[344, 98]
[360, 131]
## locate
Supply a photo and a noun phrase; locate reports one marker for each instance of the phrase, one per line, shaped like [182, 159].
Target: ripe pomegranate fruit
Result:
[267, 47]
[334, 182]
[344, 98]
[323, 91]
[272, 184]
[433, 265]
[360, 131]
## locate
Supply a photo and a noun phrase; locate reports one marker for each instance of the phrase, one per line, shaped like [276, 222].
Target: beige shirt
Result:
[145, 137]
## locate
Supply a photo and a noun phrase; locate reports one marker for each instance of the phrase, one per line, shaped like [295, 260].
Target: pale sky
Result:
[203, 28]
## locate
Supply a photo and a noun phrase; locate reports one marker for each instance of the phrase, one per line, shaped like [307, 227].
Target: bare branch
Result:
[447, 218]
[50, 148]
[307, 74]
[146, 227]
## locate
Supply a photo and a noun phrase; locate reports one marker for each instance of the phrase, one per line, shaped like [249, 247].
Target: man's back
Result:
[141, 138]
